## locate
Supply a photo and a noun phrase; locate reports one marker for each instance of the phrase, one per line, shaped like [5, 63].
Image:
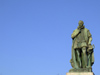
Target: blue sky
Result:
[35, 35]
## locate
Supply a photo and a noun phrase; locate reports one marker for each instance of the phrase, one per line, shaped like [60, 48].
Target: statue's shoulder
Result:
[86, 29]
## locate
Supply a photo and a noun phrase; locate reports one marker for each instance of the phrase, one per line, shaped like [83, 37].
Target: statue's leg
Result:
[84, 57]
[78, 58]
[89, 60]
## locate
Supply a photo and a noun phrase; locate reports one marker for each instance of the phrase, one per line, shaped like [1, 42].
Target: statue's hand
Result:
[75, 33]
[90, 48]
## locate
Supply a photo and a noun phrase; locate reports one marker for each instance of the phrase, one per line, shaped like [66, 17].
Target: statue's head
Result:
[80, 23]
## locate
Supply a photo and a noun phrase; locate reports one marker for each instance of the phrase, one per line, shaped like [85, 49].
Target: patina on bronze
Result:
[82, 50]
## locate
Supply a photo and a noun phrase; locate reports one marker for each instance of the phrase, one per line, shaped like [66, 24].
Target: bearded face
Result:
[81, 23]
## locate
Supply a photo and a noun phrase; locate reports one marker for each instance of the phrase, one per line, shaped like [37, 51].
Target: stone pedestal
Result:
[80, 73]
[81, 70]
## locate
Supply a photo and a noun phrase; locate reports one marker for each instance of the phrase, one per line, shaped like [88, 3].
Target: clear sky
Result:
[35, 35]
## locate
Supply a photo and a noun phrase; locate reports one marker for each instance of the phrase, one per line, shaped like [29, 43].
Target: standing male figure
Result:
[81, 41]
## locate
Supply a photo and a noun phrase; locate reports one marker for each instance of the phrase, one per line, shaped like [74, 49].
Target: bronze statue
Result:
[82, 50]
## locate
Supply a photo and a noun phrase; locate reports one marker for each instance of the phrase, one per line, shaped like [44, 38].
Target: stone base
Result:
[81, 70]
[80, 73]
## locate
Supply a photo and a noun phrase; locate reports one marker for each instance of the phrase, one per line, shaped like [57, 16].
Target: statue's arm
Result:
[75, 33]
[90, 37]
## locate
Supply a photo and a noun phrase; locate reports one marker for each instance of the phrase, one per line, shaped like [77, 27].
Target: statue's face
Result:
[80, 23]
